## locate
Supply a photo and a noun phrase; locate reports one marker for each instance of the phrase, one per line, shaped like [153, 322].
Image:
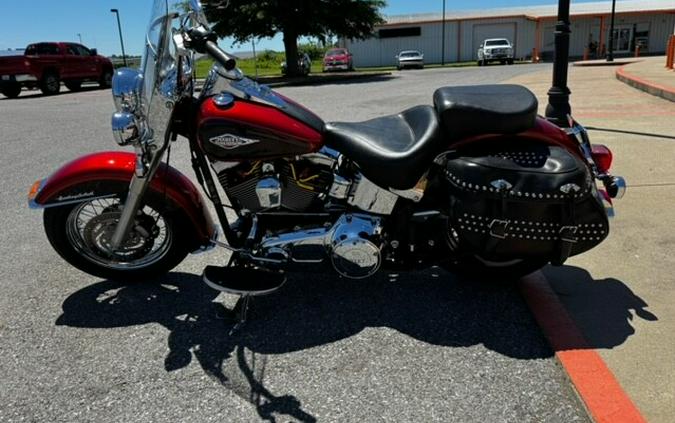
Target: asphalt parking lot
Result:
[424, 347]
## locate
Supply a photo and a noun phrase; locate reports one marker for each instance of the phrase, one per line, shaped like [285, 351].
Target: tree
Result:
[244, 19]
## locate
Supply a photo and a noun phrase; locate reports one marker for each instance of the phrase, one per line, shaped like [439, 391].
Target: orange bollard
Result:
[670, 52]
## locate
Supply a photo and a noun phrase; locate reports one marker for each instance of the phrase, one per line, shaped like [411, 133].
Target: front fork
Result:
[145, 170]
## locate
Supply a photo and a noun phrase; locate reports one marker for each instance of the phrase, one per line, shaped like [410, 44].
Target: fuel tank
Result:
[233, 129]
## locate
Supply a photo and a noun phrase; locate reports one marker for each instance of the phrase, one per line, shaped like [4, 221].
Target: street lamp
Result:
[119, 27]
[558, 108]
[610, 51]
[80, 37]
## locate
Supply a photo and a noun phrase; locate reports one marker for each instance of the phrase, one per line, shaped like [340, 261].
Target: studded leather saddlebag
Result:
[524, 201]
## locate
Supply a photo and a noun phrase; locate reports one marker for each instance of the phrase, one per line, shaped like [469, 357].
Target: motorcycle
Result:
[476, 183]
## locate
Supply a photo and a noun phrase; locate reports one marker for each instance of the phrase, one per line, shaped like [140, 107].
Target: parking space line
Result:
[597, 386]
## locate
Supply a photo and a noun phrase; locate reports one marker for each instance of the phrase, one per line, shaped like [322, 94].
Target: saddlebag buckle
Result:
[568, 234]
[498, 228]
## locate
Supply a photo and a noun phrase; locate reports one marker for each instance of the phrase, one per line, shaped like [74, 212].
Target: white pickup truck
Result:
[495, 49]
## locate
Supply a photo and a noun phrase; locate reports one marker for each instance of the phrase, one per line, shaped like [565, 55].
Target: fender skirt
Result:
[87, 177]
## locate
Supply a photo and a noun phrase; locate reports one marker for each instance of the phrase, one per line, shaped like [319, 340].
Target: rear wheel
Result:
[50, 84]
[11, 90]
[510, 61]
[74, 85]
[82, 233]
[480, 269]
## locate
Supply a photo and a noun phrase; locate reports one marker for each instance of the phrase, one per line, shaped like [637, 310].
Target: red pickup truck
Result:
[45, 65]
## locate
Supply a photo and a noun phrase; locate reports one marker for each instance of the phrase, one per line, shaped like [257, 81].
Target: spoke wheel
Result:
[82, 235]
[90, 228]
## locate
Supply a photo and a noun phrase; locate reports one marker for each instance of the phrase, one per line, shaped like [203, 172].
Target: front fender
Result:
[86, 178]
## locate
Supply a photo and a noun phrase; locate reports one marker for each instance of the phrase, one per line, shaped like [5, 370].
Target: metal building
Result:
[643, 23]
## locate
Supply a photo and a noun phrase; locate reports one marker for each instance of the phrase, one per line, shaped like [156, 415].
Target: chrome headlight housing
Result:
[126, 122]
[126, 89]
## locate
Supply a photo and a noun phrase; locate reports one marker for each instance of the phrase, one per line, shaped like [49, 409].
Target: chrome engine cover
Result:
[355, 246]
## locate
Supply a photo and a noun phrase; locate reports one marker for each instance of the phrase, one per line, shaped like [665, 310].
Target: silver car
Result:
[410, 59]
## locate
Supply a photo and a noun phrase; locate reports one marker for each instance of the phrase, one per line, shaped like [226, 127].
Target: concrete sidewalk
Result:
[650, 75]
[621, 294]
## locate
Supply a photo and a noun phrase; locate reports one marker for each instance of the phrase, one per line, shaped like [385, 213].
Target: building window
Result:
[411, 31]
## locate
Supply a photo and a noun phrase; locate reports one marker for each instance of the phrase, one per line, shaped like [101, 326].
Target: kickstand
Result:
[243, 304]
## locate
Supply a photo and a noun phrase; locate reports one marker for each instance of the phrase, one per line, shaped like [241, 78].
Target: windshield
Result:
[497, 43]
[160, 65]
[409, 54]
[336, 52]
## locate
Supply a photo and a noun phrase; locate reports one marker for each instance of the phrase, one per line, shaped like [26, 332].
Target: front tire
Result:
[105, 81]
[80, 233]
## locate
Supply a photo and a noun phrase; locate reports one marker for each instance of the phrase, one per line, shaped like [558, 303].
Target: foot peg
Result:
[245, 282]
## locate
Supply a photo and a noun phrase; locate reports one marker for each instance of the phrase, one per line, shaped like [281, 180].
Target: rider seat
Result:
[391, 151]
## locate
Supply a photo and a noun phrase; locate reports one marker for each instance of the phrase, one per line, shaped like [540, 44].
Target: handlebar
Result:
[220, 56]
[204, 41]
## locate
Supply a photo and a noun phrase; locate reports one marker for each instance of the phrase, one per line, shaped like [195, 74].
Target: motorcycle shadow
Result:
[312, 310]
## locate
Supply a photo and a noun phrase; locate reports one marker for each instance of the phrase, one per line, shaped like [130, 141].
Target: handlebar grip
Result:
[220, 56]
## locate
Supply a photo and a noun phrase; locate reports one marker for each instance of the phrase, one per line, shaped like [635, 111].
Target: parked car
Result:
[495, 50]
[337, 59]
[47, 64]
[304, 64]
[410, 59]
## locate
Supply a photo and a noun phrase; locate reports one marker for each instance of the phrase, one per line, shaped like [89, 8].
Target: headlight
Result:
[125, 129]
[126, 88]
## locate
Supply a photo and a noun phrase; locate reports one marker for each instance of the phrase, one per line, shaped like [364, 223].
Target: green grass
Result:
[271, 66]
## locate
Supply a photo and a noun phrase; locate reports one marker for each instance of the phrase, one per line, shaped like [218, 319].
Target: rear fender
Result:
[88, 178]
[543, 131]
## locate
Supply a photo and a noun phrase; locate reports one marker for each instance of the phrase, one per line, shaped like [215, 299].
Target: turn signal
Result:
[34, 189]
[602, 157]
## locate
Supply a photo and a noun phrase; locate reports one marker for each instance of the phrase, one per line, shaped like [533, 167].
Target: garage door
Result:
[493, 30]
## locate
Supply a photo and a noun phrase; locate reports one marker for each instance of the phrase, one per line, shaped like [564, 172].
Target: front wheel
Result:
[105, 80]
[81, 234]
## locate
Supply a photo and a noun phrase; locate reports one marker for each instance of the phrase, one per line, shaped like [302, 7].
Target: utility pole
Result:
[443, 37]
[558, 108]
[119, 27]
[610, 50]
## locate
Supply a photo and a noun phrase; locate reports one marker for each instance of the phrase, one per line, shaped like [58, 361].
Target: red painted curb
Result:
[598, 388]
[652, 88]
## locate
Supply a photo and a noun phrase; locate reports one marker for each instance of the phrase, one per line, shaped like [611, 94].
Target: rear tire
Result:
[481, 270]
[50, 84]
[11, 90]
[80, 246]
[73, 85]
[510, 61]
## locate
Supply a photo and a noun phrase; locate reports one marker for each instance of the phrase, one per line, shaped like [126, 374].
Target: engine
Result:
[296, 185]
[352, 245]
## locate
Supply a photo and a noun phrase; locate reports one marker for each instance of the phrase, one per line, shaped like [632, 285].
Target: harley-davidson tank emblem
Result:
[230, 141]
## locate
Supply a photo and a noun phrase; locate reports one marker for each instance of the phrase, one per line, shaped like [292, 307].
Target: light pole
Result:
[119, 27]
[558, 107]
[610, 50]
[443, 37]
[80, 37]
